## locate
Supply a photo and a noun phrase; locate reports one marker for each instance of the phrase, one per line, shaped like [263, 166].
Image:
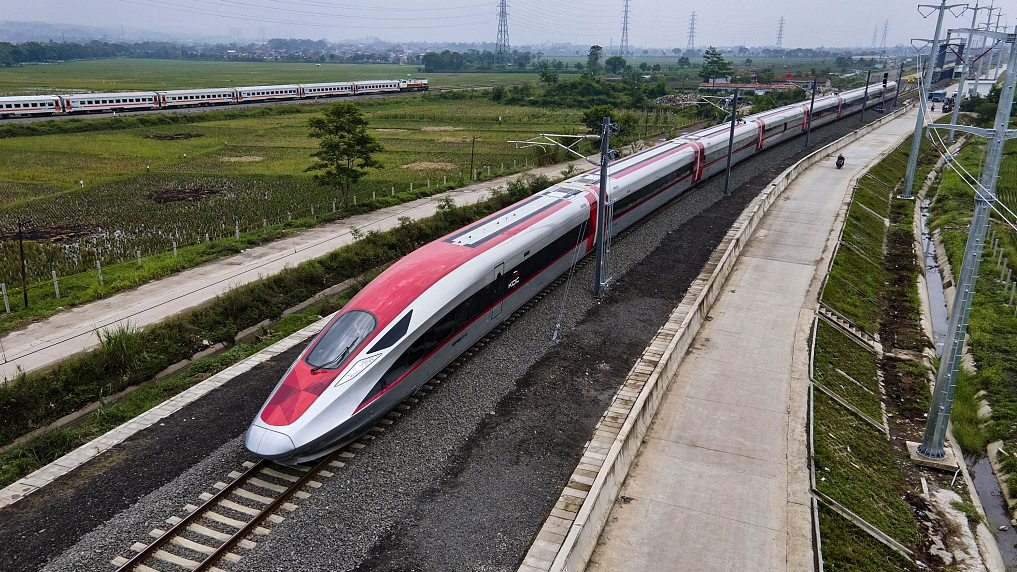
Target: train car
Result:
[124, 101]
[377, 86]
[196, 97]
[422, 312]
[266, 93]
[419, 84]
[29, 105]
[334, 89]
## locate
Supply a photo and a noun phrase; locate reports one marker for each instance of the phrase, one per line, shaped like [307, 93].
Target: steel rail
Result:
[189, 519]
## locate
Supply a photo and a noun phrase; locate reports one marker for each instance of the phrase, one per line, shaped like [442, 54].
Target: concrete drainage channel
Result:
[569, 534]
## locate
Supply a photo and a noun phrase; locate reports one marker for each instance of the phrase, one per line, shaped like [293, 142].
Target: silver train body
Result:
[423, 311]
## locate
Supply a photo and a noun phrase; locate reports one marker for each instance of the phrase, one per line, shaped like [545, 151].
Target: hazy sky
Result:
[657, 23]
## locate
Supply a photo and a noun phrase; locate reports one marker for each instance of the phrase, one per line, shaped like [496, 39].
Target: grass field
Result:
[131, 74]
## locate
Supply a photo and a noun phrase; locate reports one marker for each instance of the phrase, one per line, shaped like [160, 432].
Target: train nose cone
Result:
[267, 443]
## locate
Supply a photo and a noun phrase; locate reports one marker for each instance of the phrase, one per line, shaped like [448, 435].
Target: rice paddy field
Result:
[106, 195]
[137, 74]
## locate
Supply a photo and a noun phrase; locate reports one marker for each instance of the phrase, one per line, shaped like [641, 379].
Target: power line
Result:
[503, 35]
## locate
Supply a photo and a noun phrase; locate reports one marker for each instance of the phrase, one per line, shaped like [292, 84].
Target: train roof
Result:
[266, 87]
[194, 91]
[110, 94]
[326, 84]
[13, 98]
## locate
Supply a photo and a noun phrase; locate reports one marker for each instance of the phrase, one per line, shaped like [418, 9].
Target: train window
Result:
[341, 339]
[17, 106]
[393, 335]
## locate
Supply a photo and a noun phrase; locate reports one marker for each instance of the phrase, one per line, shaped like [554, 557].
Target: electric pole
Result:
[605, 213]
[882, 44]
[949, 365]
[502, 46]
[923, 94]
[691, 46]
[780, 33]
[967, 54]
[624, 47]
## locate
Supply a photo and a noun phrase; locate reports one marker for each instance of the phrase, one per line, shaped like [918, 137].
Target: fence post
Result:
[98, 267]
[56, 287]
[7, 305]
[138, 252]
[411, 187]
[333, 207]
[444, 180]
[374, 195]
[174, 249]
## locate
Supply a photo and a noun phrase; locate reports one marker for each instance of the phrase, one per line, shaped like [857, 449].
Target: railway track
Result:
[261, 493]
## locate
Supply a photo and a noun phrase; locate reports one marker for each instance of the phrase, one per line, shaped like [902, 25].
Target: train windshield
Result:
[341, 339]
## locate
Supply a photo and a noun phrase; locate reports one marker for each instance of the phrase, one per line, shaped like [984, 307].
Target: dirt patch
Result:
[244, 159]
[68, 233]
[453, 140]
[425, 166]
[176, 195]
[391, 130]
[174, 136]
[433, 128]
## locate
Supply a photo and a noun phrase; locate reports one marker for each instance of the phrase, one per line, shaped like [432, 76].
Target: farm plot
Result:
[106, 196]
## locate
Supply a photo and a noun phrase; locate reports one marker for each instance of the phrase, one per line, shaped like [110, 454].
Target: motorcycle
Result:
[840, 161]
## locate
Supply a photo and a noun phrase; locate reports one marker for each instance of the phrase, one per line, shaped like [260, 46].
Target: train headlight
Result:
[357, 369]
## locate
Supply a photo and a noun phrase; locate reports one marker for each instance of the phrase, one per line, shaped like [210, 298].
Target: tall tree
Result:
[593, 59]
[344, 148]
[615, 64]
[714, 65]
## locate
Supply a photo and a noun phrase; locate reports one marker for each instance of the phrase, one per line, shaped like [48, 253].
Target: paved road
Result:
[721, 480]
[49, 341]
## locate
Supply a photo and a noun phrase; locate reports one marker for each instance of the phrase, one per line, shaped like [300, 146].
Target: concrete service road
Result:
[721, 481]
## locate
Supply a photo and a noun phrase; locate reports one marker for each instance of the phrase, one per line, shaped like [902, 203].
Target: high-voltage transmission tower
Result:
[625, 31]
[882, 44]
[780, 34]
[691, 47]
[503, 39]
[875, 36]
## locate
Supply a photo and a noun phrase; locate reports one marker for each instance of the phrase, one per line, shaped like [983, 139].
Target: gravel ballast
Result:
[464, 478]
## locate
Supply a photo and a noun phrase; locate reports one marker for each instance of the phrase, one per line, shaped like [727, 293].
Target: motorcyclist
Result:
[840, 161]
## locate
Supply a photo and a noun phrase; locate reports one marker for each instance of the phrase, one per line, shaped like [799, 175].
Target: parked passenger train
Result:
[29, 105]
[423, 311]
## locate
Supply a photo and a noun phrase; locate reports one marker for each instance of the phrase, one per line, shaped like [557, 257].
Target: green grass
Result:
[856, 467]
[992, 327]
[137, 74]
[35, 453]
[847, 548]
[834, 350]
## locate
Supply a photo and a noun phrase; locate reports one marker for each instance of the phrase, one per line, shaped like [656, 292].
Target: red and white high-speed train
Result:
[423, 311]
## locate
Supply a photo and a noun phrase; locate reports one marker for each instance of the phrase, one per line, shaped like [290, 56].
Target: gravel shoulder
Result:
[463, 480]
